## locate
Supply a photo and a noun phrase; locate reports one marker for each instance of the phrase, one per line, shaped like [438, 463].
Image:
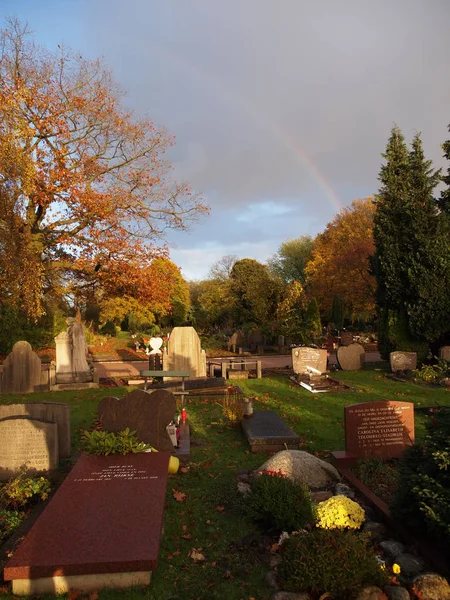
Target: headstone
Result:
[148, 413]
[379, 429]
[102, 528]
[184, 352]
[444, 352]
[281, 340]
[304, 357]
[346, 338]
[266, 431]
[57, 412]
[26, 442]
[351, 358]
[237, 340]
[21, 370]
[403, 361]
[71, 354]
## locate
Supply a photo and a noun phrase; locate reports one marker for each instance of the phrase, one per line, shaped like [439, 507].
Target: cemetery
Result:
[275, 430]
[220, 442]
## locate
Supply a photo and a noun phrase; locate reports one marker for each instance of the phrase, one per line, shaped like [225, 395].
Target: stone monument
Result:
[351, 358]
[304, 356]
[184, 352]
[50, 412]
[71, 355]
[444, 352]
[22, 372]
[27, 443]
[403, 361]
[148, 413]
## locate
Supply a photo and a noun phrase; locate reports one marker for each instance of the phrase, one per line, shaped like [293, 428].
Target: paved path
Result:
[131, 369]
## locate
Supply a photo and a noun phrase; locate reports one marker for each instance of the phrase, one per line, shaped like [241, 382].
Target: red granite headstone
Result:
[106, 517]
[379, 429]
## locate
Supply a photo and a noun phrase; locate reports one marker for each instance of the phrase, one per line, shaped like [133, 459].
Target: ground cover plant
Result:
[211, 548]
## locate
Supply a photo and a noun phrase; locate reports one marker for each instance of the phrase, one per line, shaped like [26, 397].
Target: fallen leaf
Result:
[187, 536]
[170, 556]
[184, 469]
[178, 496]
[220, 508]
[196, 555]
[208, 522]
[93, 596]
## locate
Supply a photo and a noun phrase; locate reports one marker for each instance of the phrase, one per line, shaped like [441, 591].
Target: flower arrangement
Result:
[339, 512]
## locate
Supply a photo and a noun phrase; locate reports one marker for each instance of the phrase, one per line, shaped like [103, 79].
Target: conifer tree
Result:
[444, 200]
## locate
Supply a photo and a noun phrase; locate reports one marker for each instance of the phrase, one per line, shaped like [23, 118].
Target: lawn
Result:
[210, 522]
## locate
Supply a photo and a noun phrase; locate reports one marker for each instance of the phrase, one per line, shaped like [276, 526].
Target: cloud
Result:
[284, 104]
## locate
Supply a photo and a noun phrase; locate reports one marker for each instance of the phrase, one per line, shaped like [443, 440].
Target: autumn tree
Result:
[222, 268]
[80, 175]
[291, 259]
[339, 264]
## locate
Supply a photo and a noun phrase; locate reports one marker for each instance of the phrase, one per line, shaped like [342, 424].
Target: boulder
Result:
[302, 467]
[396, 592]
[392, 548]
[432, 586]
[409, 564]
[371, 592]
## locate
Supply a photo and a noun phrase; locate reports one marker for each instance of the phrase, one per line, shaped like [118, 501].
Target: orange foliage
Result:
[90, 177]
[339, 265]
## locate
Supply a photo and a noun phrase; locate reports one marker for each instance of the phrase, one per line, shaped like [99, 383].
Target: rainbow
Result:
[235, 99]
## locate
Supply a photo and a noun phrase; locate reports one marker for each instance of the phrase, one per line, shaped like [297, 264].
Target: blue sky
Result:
[280, 109]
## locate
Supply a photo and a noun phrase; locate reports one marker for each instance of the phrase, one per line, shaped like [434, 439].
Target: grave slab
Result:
[266, 431]
[105, 519]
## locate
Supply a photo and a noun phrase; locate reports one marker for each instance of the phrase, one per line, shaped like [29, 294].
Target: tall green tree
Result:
[411, 261]
[444, 200]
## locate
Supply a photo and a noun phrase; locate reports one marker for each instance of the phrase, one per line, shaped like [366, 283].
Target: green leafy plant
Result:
[9, 521]
[336, 561]
[21, 491]
[422, 501]
[280, 502]
[103, 443]
[379, 476]
[433, 373]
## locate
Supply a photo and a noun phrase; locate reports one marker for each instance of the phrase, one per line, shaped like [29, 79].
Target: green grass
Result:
[212, 519]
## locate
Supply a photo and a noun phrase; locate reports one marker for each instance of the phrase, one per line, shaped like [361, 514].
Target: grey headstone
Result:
[71, 355]
[403, 361]
[57, 412]
[305, 356]
[21, 370]
[26, 442]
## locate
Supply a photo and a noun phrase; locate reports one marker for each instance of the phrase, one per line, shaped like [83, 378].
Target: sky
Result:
[281, 109]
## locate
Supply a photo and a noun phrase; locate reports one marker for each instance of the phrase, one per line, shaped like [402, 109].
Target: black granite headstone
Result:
[266, 431]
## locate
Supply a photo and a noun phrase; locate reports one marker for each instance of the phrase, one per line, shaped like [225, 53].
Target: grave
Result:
[305, 356]
[72, 368]
[351, 358]
[444, 352]
[29, 443]
[22, 372]
[403, 361]
[102, 528]
[267, 432]
[376, 430]
[318, 383]
[148, 413]
[184, 352]
[53, 412]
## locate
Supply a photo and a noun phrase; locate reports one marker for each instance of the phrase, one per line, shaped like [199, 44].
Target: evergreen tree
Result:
[412, 258]
[390, 236]
[444, 200]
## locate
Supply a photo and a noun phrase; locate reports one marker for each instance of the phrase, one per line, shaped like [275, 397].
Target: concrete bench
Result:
[181, 374]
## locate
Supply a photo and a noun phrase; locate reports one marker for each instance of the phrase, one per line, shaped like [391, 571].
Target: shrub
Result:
[22, 491]
[336, 561]
[9, 521]
[109, 329]
[280, 502]
[434, 373]
[379, 476]
[339, 512]
[422, 500]
[103, 443]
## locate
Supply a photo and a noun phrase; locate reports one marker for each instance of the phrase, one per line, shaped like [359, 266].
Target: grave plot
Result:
[101, 529]
[266, 431]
